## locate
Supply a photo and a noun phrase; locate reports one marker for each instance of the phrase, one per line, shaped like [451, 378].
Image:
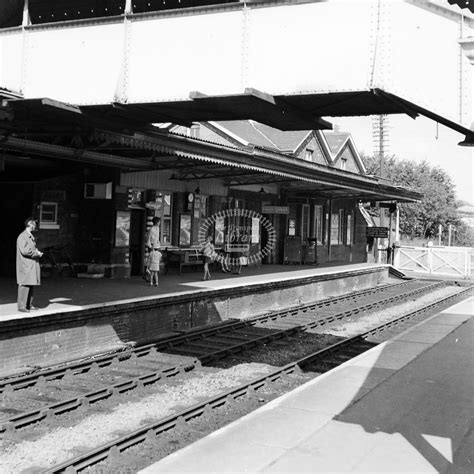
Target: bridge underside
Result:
[287, 64]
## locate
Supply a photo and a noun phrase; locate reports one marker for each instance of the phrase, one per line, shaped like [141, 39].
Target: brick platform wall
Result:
[54, 338]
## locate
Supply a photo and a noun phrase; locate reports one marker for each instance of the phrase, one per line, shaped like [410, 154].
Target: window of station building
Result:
[308, 155]
[238, 229]
[166, 220]
[305, 222]
[136, 198]
[341, 227]
[199, 215]
[318, 224]
[349, 223]
[343, 163]
[161, 204]
[49, 215]
[334, 228]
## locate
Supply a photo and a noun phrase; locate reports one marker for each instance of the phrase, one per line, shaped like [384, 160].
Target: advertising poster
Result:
[185, 230]
[122, 229]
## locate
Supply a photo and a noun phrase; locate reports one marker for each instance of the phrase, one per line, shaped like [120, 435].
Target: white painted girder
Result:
[322, 46]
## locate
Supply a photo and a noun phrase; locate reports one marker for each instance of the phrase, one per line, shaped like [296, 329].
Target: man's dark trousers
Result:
[25, 296]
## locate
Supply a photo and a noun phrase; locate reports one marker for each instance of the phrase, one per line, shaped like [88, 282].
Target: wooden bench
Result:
[183, 258]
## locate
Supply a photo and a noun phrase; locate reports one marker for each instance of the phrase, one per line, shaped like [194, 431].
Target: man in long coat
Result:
[28, 272]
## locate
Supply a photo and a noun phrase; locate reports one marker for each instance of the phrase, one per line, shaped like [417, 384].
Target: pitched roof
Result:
[245, 132]
[262, 135]
[284, 140]
[336, 140]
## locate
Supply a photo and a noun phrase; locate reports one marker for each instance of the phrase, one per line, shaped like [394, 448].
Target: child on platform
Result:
[153, 265]
[208, 253]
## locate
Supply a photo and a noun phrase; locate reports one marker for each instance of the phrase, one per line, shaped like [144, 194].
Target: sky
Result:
[418, 140]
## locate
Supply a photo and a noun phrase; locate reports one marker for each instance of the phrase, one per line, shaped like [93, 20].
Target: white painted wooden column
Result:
[467, 45]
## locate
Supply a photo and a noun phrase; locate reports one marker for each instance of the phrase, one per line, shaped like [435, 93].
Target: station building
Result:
[95, 183]
[280, 188]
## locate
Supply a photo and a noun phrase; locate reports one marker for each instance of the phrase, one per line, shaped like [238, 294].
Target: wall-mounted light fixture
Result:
[262, 191]
[197, 191]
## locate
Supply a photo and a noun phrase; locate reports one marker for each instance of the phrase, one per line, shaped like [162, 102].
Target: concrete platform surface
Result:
[404, 406]
[63, 294]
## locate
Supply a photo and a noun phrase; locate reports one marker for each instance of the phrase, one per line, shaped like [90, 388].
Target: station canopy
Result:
[284, 112]
[48, 136]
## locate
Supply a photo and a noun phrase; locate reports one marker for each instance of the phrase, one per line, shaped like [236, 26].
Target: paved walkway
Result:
[404, 406]
[58, 294]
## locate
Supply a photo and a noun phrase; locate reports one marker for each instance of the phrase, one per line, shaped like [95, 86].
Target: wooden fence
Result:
[450, 261]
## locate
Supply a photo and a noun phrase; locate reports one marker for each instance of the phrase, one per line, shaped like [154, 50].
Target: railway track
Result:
[81, 367]
[36, 397]
[318, 362]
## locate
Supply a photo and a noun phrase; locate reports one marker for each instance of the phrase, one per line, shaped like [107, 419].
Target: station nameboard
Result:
[275, 210]
[377, 232]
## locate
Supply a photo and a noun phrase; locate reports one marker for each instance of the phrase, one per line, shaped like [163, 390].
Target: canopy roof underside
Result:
[286, 112]
[42, 134]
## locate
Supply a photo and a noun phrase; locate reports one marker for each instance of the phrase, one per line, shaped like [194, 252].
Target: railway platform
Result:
[403, 406]
[61, 295]
[82, 317]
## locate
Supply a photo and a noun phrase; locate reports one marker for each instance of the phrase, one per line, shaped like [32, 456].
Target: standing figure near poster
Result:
[153, 236]
[28, 272]
[152, 243]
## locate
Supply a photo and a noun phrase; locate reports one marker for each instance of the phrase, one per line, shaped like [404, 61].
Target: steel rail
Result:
[83, 366]
[153, 429]
[58, 408]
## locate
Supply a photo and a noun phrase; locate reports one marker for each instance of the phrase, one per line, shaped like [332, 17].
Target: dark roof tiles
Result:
[262, 135]
[336, 140]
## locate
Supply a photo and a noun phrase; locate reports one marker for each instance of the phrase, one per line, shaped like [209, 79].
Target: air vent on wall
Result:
[98, 190]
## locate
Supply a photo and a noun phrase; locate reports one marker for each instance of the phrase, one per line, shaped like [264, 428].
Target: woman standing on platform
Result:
[153, 266]
[153, 243]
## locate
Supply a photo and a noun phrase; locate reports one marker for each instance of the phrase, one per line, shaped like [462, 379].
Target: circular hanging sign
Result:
[190, 197]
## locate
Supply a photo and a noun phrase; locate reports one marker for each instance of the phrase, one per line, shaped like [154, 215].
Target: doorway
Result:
[16, 206]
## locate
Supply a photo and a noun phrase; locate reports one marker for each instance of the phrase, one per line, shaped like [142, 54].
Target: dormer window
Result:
[308, 155]
[343, 163]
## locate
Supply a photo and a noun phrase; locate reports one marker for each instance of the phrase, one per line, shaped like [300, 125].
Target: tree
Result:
[438, 205]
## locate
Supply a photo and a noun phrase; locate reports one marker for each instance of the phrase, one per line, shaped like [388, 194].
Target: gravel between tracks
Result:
[348, 328]
[63, 443]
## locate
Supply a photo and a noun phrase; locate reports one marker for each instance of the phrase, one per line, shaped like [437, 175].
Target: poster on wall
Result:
[185, 230]
[122, 229]
[291, 227]
[255, 230]
[219, 231]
